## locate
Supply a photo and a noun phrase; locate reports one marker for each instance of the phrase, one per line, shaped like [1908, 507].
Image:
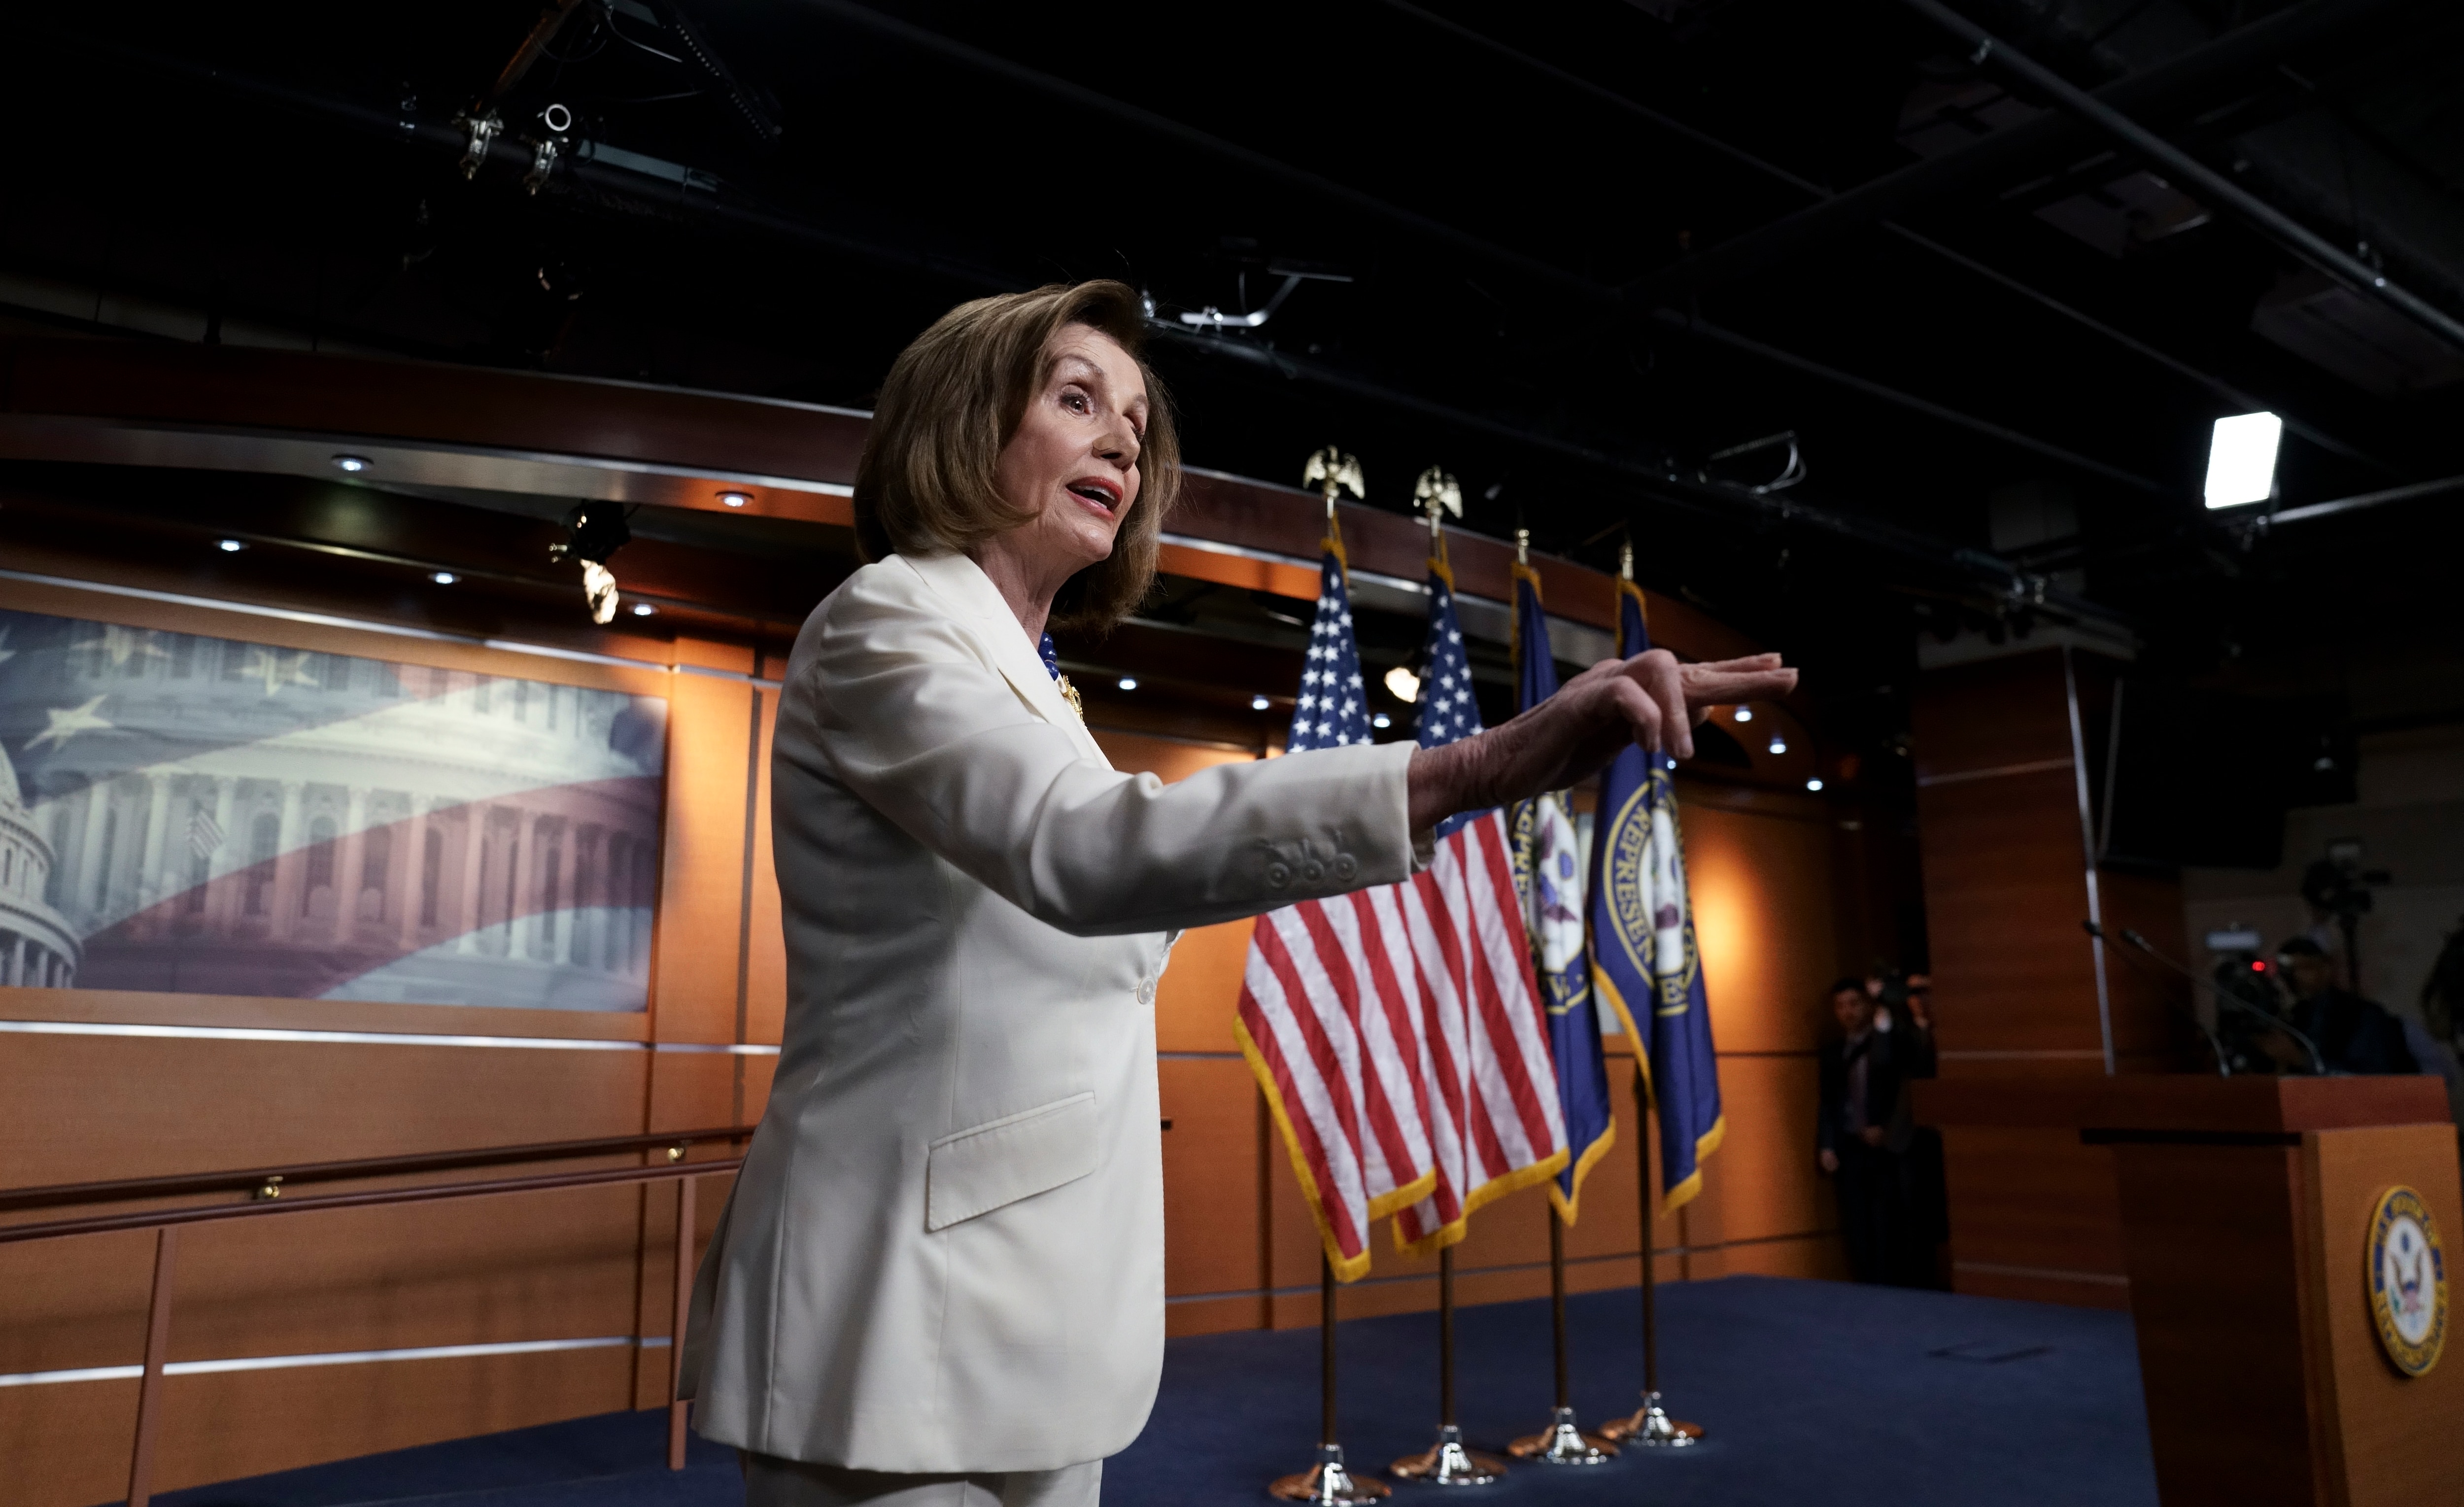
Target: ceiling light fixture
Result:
[643, 610]
[2241, 459]
[735, 499]
[1382, 719]
[1403, 683]
[229, 547]
[1259, 703]
[1813, 785]
[1129, 682]
[352, 464]
[443, 577]
[1778, 744]
[1745, 713]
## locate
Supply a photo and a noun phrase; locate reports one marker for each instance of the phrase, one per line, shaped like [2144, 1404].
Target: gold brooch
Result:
[1070, 694]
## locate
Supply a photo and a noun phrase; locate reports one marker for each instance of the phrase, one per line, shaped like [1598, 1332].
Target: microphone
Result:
[2224, 1001]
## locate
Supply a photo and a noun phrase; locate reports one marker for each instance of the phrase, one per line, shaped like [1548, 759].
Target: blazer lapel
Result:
[974, 600]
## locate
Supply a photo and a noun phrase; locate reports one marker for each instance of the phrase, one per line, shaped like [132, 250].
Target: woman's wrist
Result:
[1443, 781]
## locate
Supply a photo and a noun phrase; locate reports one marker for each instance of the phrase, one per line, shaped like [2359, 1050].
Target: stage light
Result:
[643, 610]
[1778, 744]
[1382, 719]
[735, 499]
[1259, 703]
[1813, 785]
[352, 465]
[1129, 682]
[229, 547]
[1403, 683]
[2241, 459]
[443, 577]
[1745, 713]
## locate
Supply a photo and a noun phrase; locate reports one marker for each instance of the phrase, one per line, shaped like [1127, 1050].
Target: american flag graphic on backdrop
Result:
[208, 815]
[1488, 1082]
[1327, 1002]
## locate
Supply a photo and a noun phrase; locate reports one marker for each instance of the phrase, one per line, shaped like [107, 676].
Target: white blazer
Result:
[945, 1251]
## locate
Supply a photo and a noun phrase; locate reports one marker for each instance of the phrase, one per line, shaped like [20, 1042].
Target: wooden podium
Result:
[2247, 1208]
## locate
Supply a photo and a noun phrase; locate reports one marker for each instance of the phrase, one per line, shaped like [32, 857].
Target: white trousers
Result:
[770, 1481]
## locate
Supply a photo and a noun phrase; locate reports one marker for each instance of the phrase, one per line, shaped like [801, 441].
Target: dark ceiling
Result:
[1582, 250]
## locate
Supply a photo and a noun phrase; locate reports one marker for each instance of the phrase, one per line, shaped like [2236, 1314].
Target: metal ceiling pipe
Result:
[2214, 384]
[2013, 152]
[2189, 172]
[1986, 575]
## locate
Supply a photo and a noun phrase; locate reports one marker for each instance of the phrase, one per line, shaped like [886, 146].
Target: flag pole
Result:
[1563, 1442]
[1447, 1463]
[1326, 1482]
[1649, 1426]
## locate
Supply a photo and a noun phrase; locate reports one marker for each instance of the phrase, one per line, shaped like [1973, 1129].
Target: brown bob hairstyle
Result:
[926, 485]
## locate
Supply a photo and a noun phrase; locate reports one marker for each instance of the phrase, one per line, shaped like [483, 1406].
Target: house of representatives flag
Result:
[1550, 875]
[1643, 944]
[1329, 1002]
[1494, 1123]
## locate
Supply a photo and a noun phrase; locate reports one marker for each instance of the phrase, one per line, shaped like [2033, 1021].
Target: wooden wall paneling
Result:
[1990, 715]
[67, 1444]
[2152, 1006]
[765, 964]
[1200, 991]
[1760, 880]
[94, 1107]
[1214, 1203]
[1817, 1256]
[2035, 1215]
[2006, 889]
[699, 966]
[1771, 1185]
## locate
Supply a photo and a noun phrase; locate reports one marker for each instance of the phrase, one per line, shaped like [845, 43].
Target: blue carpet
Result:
[1811, 1392]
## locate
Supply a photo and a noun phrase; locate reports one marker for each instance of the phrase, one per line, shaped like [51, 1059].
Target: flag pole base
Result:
[1562, 1442]
[1447, 1463]
[1328, 1482]
[1651, 1428]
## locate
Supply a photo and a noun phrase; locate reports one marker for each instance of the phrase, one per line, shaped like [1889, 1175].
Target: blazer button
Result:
[1345, 868]
[1313, 871]
[1276, 876]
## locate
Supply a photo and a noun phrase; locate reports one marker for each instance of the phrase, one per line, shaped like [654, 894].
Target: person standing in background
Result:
[1860, 1076]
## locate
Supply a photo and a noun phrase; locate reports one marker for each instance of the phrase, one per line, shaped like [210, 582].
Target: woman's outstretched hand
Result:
[1650, 701]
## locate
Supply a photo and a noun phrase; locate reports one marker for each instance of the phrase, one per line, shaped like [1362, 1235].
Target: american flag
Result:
[1488, 1082]
[1328, 1016]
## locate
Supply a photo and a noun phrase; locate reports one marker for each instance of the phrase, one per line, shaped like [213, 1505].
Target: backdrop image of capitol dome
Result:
[205, 816]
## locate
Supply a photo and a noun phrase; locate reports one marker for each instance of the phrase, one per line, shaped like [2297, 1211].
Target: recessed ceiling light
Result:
[443, 577]
[1259, 703]
[735, 499]
[1745, 713]
[643, 610]
[352, 464]
[1129, 682]
[229, 547]
[1813, 785]
[1778, 744]
[1382, 719]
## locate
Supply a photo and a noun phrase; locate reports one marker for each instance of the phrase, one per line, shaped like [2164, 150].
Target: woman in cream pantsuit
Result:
[941, 1276]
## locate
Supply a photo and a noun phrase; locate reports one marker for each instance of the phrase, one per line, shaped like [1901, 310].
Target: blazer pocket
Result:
[981, 1168]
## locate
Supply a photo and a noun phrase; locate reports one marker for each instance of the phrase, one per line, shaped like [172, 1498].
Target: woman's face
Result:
[1073, 460]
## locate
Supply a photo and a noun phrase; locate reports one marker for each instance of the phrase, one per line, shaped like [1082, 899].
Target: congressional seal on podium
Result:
[2408, 1277]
